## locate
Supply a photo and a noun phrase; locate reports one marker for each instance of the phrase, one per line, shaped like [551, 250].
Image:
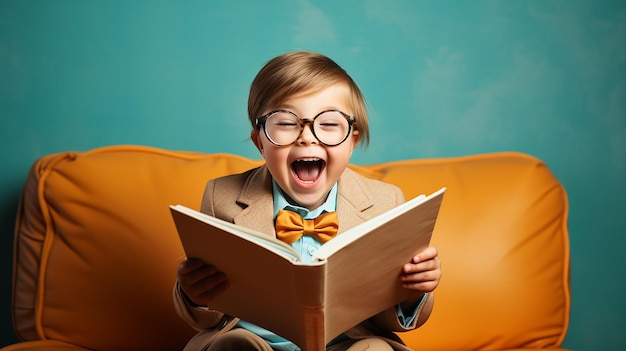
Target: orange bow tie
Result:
[290, 226]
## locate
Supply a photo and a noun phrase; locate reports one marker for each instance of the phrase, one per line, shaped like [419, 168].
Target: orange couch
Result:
[96, 250]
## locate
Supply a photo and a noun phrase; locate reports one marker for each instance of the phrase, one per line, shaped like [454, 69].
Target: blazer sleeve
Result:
[388, 319]
[198, 317]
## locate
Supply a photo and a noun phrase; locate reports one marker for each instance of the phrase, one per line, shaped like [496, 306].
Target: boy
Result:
[307, 117]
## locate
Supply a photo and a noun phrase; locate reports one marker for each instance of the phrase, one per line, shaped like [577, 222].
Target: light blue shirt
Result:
[306, 247]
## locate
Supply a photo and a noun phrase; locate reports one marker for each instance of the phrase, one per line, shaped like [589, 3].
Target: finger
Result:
[207, 296]
[427, 254]
[428, 265]
[421, 286]
[209, 282]
[425, 282]
[200, 273]
[189, 265]
[421, 276]
[204, 291]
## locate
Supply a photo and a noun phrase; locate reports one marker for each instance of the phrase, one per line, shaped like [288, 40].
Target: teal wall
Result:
[442, 78]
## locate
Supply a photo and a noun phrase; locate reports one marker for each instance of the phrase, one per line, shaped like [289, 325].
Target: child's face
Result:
[307, 169]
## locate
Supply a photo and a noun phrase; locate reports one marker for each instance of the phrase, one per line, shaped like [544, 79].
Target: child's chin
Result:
[307, 197]
[310, 202]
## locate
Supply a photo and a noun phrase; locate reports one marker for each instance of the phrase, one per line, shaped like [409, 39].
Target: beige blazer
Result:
[246, 199]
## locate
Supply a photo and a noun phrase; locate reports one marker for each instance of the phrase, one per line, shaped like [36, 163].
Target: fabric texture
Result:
[291, 227]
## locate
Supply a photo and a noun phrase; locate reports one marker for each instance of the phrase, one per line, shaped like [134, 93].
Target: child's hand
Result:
[423, 272]
[201, 282]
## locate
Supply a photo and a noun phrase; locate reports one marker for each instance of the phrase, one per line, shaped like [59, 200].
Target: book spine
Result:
[312, 293]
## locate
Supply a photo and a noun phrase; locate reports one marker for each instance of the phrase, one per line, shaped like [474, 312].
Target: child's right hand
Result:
[201, 282]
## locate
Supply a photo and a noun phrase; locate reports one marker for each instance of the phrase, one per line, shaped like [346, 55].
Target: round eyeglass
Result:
[283, 127]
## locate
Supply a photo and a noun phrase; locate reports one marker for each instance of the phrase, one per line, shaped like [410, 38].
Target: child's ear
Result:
[256, 139]
[357, 138]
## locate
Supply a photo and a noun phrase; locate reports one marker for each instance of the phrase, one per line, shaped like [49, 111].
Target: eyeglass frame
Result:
[260, 122]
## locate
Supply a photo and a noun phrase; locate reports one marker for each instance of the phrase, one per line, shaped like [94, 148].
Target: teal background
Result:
[442, 78]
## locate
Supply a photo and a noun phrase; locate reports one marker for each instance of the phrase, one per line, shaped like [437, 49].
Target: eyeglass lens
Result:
[330, 127]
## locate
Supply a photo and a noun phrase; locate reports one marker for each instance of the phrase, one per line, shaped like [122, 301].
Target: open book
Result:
[352, 277]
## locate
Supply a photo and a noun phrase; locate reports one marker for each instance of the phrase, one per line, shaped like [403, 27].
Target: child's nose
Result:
[307, 137]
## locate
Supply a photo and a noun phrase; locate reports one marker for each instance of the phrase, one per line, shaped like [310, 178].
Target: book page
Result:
[266, 241]
[363, 276]
[362, 229]
[265, 288]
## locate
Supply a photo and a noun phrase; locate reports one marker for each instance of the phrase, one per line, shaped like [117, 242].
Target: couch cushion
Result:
[503, 241]
[96, 249]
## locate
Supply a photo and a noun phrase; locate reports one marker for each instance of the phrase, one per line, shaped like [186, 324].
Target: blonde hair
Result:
[302, 72]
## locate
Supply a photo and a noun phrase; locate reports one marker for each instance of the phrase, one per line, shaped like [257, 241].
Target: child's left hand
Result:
[423, 272]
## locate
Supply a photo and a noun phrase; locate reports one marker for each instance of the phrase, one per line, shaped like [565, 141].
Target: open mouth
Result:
[308, 169]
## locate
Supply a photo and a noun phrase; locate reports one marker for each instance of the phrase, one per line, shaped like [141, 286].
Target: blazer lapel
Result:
[258, 204]
[352, 201]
